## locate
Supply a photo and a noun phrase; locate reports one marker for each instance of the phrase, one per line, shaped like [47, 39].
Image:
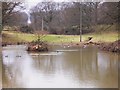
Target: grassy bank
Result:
[14, 37]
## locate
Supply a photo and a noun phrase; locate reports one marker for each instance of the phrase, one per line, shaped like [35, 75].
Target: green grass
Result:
[105, 28]
[9, 36]
[103, 37]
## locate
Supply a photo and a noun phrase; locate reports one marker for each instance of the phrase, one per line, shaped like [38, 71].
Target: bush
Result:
[26, 29]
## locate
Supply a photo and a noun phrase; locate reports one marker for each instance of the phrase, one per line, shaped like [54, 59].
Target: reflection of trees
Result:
[5, 77]
[87, 68]
[83, 63]
[118, 69]
[0, 69]
[108, 74]
[11, 72]
[45, 64]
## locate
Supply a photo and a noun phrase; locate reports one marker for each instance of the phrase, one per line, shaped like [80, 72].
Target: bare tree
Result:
[8, 9]
[0, 17]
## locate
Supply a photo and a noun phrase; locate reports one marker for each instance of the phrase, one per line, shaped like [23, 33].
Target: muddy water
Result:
[63, 67]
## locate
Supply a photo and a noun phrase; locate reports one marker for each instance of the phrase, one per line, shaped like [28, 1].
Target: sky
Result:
[31, 3]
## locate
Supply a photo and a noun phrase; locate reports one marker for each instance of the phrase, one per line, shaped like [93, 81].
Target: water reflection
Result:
[0, 73]
[78, 68]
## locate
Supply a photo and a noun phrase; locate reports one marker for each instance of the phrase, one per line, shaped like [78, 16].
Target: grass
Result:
[10, 36]
[103, 37]
[105, 28]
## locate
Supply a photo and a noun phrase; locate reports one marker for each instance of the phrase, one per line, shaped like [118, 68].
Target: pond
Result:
[61, 67]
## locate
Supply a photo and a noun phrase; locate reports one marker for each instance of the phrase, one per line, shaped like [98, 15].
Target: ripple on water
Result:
[46, 54]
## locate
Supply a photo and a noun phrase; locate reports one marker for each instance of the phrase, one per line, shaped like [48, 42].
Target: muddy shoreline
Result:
[111, 47]
[105, 46]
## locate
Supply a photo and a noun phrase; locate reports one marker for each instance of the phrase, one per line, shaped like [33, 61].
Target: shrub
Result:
[26, 29]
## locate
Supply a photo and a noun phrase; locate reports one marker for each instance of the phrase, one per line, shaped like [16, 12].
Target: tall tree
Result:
[8, 9]
[0, 17]
[44, 11]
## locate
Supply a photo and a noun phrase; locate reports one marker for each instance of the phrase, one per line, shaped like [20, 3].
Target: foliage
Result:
[26, 29]
[64, 18]
[61, 17]
[8, 9]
